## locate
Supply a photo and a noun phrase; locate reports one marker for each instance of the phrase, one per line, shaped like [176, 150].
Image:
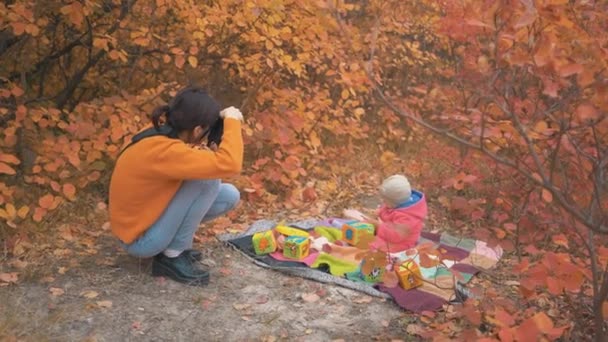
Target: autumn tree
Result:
[522, 85]
[80, 77]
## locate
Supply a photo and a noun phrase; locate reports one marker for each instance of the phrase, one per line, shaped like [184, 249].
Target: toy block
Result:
[264, 242]
[296, 247]
[409, 275]
[353, 230]
[290, 231]
[375, 276]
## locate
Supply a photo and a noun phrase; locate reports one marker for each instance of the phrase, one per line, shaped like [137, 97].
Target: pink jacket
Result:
[411, 215]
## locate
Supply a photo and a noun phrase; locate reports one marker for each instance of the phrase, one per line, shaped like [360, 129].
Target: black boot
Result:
[193, 254]
[181, 269]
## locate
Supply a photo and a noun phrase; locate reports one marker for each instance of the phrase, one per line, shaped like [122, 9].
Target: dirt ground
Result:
[111, 296]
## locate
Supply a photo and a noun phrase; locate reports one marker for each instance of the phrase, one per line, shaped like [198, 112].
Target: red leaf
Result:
[554, 286]
[570, 69]
[561, 240]
[527, 331]
[587, 112]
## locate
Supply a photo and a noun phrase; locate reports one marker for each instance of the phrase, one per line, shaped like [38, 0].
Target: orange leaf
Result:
[39, 214]
[4, 168]
[561, 240]
[9, 277]
[46, 201]
[11, 211]
[179, 61]
[9, 158]
[543, 322]
[69, 191]
[547, 196]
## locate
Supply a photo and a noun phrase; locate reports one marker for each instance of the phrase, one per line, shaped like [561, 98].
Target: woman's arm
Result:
[177, 160]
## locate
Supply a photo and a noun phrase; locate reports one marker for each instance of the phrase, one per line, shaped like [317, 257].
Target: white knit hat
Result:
[396, 189]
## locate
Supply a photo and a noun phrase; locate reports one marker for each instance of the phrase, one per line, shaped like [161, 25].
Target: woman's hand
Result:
[231, 112]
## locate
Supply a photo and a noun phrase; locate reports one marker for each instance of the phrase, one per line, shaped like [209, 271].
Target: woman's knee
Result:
[230, 195]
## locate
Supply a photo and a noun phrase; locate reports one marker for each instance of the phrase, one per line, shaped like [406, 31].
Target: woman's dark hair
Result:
[189, 108]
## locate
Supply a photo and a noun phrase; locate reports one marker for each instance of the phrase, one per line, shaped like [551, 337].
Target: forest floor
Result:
[83, 291]
[75, 283]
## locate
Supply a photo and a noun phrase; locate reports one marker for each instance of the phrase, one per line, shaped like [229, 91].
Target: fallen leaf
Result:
[385, 324]
[62, 270]
[310, 297]
[9, 277]
[136, 325]
[262, 300]
[89, 294]
[241, 306]
[55, 291]
[415, 329]
[362, 300]
[104, 303]
[19, 264]
[308, 331]
[47, 279]
[246, 318]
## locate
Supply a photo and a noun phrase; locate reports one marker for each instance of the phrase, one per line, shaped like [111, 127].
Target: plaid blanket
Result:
[462, 259]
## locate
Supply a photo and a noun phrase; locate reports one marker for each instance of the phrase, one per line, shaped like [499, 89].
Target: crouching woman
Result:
[164, 185]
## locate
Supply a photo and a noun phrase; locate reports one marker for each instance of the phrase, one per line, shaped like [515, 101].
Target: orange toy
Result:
[409, 275]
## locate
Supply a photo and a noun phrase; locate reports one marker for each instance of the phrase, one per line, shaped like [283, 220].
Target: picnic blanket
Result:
[462, 259]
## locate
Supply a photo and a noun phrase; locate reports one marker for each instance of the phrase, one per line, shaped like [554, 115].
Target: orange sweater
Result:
[148, 174]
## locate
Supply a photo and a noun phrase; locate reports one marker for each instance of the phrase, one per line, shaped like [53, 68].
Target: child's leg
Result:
[205, 208]
[176, 226]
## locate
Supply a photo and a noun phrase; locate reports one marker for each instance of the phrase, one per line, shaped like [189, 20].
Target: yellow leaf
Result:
[345, 94]
[314, 139]
[11, 211]
[193, 61]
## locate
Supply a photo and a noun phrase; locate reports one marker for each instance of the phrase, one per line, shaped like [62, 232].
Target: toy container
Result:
[409, 275]
[296, 247]
[353, 230]
[264, 242]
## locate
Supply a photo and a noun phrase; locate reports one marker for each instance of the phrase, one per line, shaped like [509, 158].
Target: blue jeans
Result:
[196, 201]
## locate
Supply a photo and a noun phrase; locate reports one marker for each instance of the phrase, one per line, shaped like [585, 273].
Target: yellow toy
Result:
[264, 242]
[409, 275]
[352, 231]
[296, 247]
[289, 231]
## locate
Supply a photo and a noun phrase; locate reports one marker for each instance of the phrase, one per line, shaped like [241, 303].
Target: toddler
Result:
[400, 217]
